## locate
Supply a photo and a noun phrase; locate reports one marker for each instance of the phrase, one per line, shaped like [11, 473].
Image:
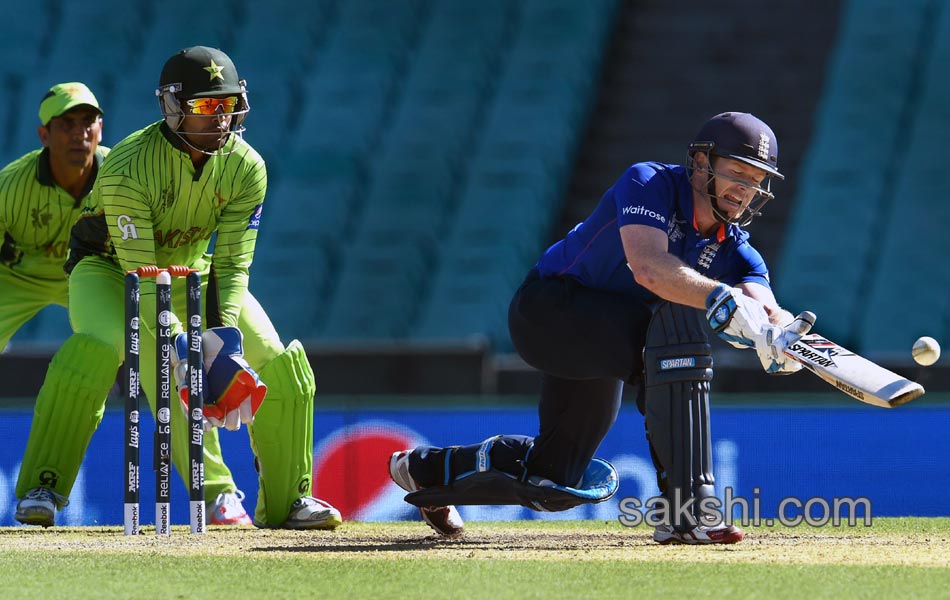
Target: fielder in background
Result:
[160, 197]
[612, 303]
[41, 196]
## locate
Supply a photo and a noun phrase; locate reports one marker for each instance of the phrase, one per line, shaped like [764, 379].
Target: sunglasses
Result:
[209, 106]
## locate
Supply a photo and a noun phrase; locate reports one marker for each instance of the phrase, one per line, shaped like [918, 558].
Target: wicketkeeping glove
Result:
[234, 392]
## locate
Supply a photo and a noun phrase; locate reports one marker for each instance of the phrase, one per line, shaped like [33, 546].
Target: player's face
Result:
[72, 137]
[736, 184]
[207, 121]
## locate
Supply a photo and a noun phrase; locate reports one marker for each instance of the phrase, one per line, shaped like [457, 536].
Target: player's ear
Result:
[43, 132]
[99, 141]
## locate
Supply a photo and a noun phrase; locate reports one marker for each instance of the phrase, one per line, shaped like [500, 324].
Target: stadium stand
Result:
[517, 175]
[847, 181]
[908, 286]
[420, 153]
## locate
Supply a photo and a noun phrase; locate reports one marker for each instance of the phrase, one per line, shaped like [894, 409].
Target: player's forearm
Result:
[671, 279]
[777, 315]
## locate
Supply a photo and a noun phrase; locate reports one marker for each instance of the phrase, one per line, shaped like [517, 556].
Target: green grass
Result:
[591, 559]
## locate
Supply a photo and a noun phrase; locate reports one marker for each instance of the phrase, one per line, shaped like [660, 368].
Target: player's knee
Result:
[290, 373]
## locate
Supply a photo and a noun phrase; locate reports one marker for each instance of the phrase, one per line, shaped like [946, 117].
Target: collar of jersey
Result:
[720, 233]
[44, 173]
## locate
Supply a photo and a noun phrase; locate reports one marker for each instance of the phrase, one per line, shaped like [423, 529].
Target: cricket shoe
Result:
[701, 534]
[445, 520]
[227, 510]
[312, 513]
[39, 506]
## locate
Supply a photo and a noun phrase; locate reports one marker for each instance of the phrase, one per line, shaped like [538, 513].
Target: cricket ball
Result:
[926, 351]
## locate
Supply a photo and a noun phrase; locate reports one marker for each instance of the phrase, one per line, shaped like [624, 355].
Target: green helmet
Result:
[200, 72]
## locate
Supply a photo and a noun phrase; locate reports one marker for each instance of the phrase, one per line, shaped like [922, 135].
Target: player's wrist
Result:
[716, 294]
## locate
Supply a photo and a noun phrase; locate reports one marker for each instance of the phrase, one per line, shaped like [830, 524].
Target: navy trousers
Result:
[586, 343]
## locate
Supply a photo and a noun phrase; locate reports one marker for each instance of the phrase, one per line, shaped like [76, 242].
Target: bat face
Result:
[853, 374]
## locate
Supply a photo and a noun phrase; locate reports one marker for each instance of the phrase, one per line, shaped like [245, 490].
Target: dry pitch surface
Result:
[897, 542]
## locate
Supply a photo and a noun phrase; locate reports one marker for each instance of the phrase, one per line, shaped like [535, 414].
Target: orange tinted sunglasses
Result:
[209, 106]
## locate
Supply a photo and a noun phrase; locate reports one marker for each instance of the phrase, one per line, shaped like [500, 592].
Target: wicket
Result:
[165, 385]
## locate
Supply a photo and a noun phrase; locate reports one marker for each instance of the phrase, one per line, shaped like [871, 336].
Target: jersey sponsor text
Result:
[643, 210]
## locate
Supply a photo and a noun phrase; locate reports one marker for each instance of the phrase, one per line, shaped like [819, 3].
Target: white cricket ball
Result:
[926, 351]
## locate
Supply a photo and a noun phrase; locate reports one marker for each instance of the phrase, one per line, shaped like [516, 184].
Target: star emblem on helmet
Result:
[215, 71]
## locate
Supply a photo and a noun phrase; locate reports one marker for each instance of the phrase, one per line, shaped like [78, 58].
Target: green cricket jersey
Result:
[159, 210]
[36, 215]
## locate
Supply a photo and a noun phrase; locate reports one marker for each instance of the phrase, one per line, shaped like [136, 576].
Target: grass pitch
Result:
[525, 559]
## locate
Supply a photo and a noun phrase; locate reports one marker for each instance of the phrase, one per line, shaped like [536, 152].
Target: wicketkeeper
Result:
[41, 196]
[162, 195]
[615, 302]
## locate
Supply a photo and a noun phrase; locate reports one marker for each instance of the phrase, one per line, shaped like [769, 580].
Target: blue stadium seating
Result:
[833, 239]
[909, 288]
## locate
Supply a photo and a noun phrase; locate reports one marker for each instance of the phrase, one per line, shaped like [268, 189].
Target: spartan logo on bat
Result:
[818, 350]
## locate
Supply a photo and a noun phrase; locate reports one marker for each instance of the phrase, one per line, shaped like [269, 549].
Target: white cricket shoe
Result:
[39, 506]
[226, 509]
[701, 534]
[445, 520]
[312, 513]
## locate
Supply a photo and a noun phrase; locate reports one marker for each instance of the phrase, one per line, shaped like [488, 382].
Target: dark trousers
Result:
[586, 343]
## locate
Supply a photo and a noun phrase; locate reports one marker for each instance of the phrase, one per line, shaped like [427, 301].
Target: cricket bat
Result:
[854, 375]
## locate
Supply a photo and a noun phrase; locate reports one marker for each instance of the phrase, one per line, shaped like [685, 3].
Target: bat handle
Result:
[799, 327]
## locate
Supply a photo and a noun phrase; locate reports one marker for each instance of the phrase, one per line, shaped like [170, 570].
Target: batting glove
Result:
[736, 318]
[771, 348]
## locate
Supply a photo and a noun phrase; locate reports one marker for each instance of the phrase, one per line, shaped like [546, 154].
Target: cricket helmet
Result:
[200, 72]
[745, 138]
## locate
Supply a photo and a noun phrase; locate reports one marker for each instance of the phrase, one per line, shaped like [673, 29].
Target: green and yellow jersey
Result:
[36, 216]
[159, 210]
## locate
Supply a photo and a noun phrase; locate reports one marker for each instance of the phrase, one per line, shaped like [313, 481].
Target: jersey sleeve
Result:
[752, 267]
[644, 197]
[237, 237]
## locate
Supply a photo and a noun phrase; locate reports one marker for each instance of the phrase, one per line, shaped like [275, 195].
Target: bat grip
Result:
[800, 326]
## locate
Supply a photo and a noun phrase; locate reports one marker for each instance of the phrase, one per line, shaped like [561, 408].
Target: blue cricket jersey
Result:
[657, 195]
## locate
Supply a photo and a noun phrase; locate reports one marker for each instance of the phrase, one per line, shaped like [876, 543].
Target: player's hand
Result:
[234, 392]
[772, 345]
[735, 317]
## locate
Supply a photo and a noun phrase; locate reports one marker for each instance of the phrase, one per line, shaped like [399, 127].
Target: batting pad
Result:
[282, 435]
[486, 485]
[68, 410]
[677, 363]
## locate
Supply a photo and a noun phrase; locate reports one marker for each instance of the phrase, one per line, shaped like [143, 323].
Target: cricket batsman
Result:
[162, 195]
[615, 302]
